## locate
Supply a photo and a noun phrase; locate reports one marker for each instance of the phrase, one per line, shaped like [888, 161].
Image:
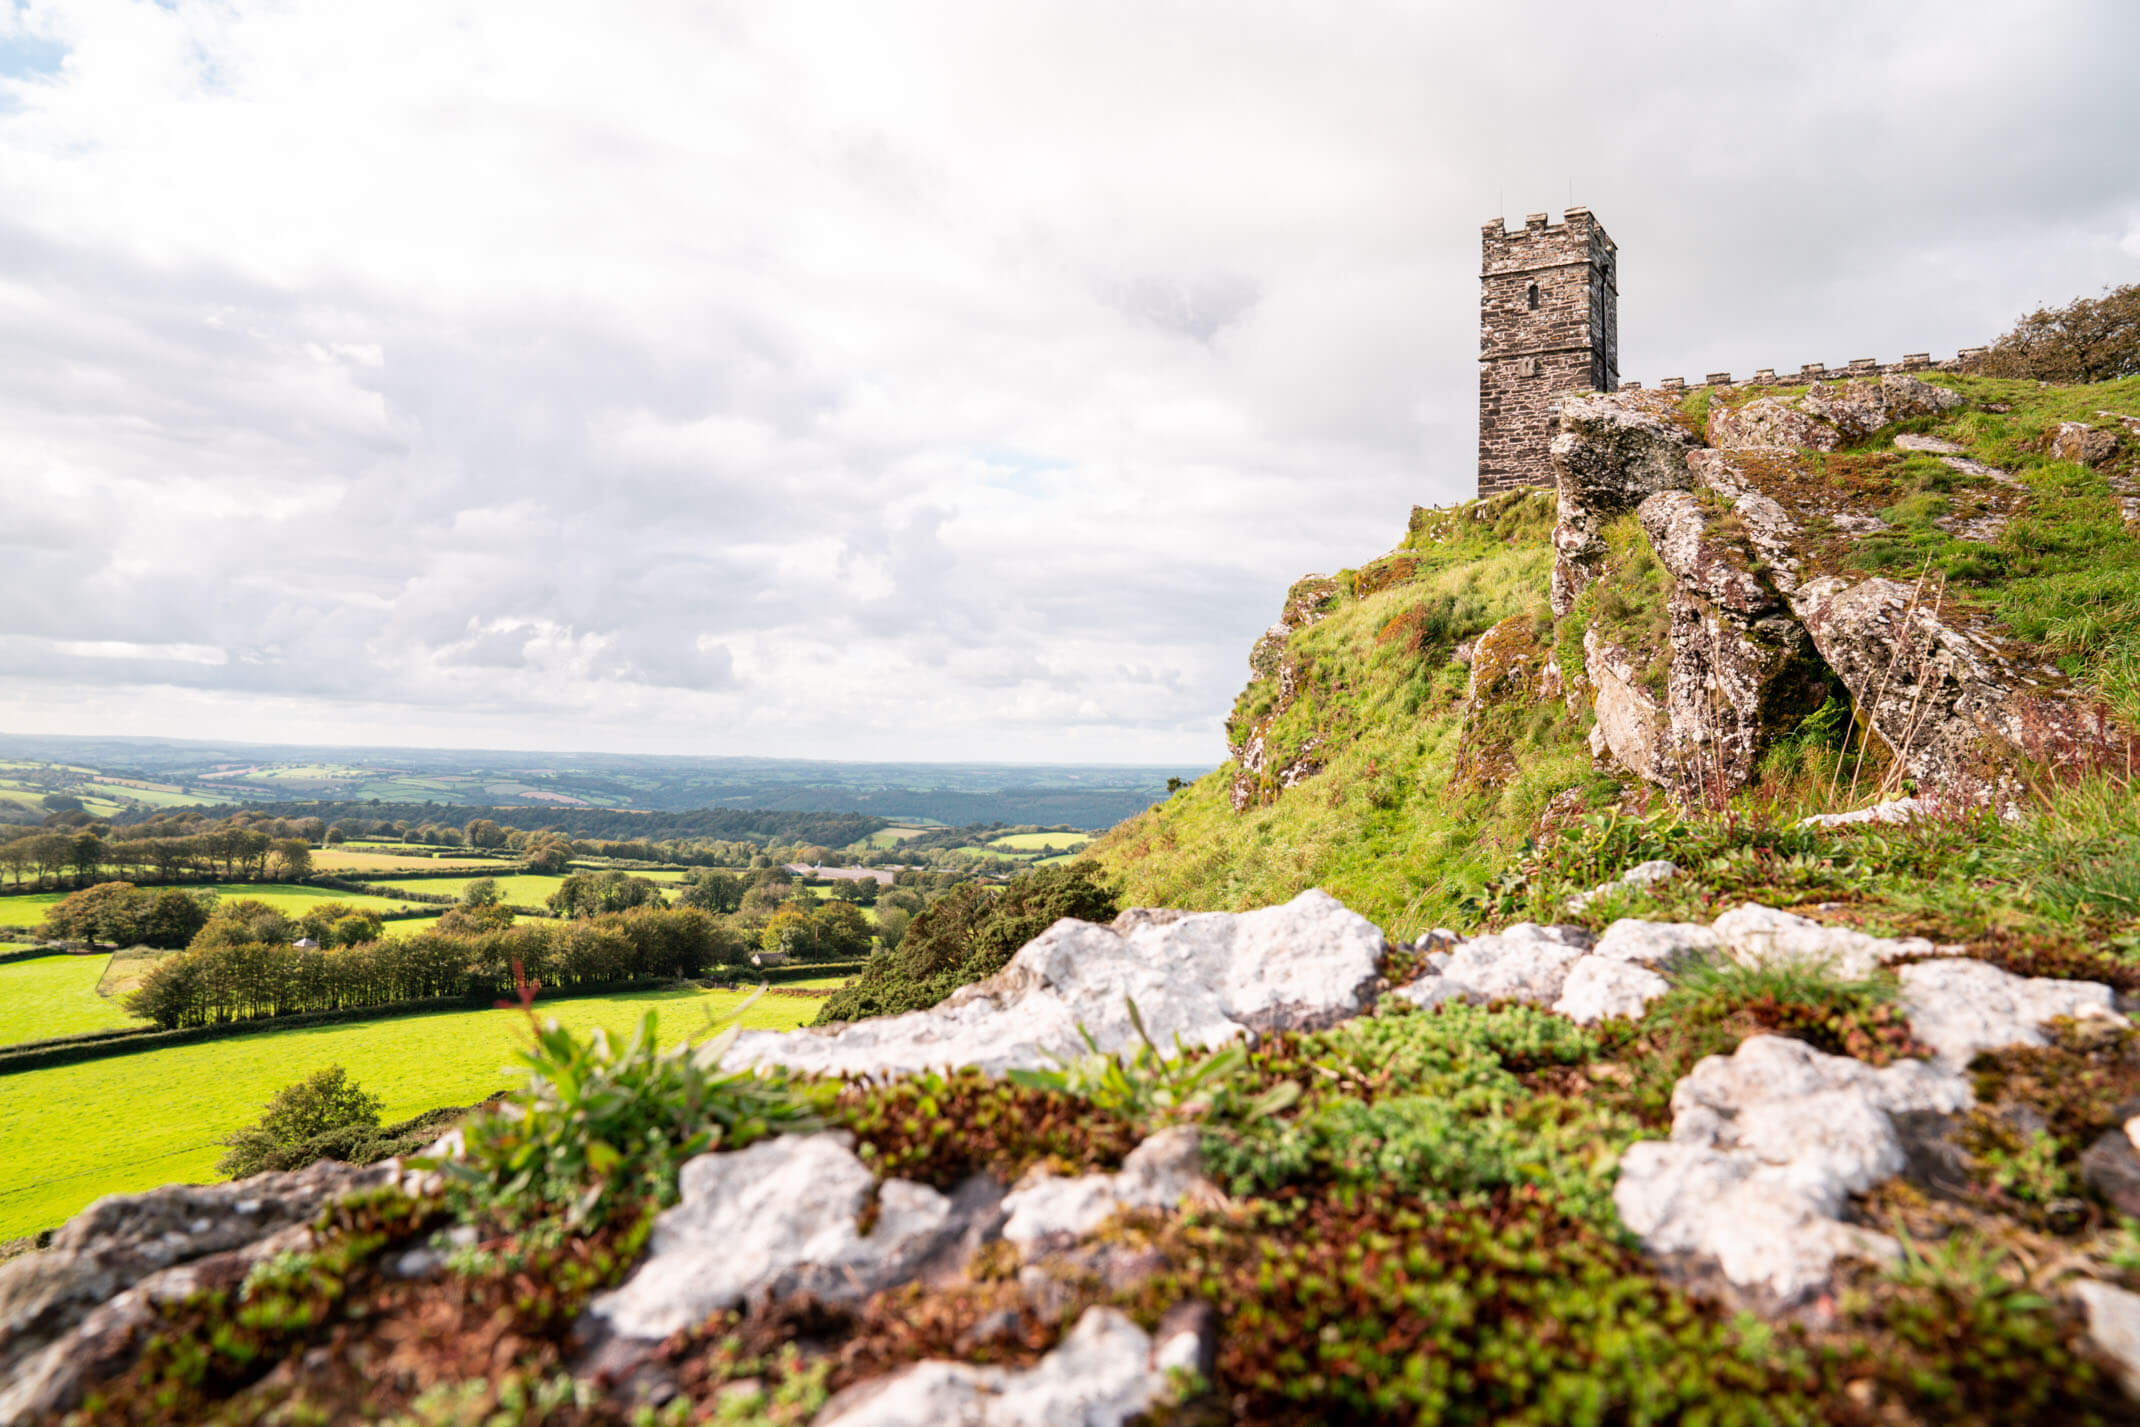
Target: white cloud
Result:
[852, 380]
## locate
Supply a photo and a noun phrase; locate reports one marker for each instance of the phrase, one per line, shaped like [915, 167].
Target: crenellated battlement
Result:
[1855, 370]
[1549, 326]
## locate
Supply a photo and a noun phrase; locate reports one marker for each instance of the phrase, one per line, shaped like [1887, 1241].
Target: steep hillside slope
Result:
[1362, 765]
[1771, 601]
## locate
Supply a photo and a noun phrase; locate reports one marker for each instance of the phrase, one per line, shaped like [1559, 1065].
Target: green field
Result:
[136, 1121]
[55, 996]
[364, 860]
[1036, 841]
[893, 836]
[292, 899]
[26, 909]
[525, 889]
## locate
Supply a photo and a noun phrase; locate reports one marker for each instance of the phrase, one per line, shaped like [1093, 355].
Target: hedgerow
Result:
[254, 980]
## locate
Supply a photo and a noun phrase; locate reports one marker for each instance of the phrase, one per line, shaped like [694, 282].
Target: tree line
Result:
[233, 853]
[758, 826]
[221, 978]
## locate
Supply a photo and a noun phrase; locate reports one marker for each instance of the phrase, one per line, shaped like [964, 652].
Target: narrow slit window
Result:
[1530, 297]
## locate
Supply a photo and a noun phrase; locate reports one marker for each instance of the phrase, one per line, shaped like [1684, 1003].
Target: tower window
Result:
[1530, 297]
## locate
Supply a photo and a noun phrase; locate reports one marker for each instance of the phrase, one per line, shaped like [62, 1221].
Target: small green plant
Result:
[1715, 1005]
[939, 1129]
[2121, 1246]
[2029, 1168]
[1964, 1339]
[1149, 1088]
[323, 1102]
[597, 1126]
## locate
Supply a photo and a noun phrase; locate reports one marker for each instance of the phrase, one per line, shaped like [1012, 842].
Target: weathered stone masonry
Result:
[1548, 325]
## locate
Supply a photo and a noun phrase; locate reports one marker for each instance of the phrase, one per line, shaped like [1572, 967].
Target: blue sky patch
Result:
[24, 55]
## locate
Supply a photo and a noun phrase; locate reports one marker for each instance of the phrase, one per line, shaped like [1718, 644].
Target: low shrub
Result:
[326, 1104]
[969, 934]
[362, 1143]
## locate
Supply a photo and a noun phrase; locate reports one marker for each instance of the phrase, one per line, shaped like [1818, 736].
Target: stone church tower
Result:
[1549, 324]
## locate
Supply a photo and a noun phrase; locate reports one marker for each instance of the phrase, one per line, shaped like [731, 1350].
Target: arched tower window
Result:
[1530, 297]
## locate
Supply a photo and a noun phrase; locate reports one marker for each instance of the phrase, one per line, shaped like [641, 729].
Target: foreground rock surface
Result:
[1103, 1375]
[1961, 1007]
[1759, 936]
[68, 1315]
[1767, 1145]
[782, 1216]
[1207, 978]
[1158, 1174]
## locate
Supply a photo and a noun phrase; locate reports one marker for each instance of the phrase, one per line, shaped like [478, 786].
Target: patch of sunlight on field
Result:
[55, 996]
[524, 889]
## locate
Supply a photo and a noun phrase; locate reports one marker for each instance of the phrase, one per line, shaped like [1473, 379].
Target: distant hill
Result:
[114, 776]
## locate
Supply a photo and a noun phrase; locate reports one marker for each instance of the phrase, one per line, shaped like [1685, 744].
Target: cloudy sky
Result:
[895, 380]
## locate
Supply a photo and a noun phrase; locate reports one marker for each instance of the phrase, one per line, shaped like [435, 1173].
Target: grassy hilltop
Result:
[1387, 826]
[1423, 804]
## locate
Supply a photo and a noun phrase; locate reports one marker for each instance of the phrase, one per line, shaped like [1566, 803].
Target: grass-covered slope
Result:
[1387, 826]
[2035, 546]
[1379, 784]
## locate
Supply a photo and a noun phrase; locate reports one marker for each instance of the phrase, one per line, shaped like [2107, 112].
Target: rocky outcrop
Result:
[1631, 726]
[1106, 1373]
[1827, 415]
[1510, 671]
[1206, 978]
[2080, 442]
[1310, 598]
[1947, 698]
[1767, 1146]
[1757, 537]
[780, 1217]
[1743, 669]
[1612, 452]
[1261, 767]
[71, 1314]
